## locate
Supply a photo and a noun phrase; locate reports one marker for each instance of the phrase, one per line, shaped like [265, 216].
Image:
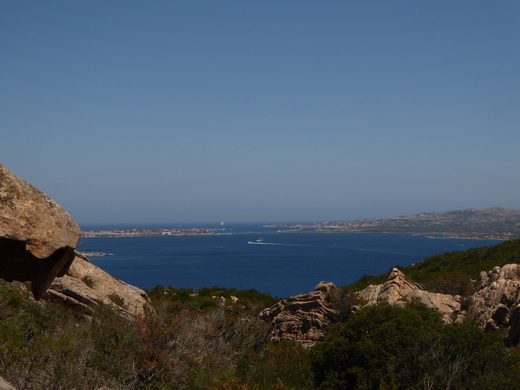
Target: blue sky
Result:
[191, 111]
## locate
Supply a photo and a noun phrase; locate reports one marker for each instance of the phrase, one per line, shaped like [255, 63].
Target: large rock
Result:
[397, 290]
[37, 237]
[496, 305]
[85, 286]
[302, 318]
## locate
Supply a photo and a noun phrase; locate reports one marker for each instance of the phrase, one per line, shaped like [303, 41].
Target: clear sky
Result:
[170, 111]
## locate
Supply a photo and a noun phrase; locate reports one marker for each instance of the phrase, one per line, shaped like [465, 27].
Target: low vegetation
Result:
[212, 338]
[88, 281]
[206, 339]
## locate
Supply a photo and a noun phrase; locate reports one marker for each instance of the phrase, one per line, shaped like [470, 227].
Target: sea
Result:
[251, 256]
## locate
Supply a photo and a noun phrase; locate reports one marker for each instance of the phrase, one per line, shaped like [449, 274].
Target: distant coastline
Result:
[495, 223]
[147, 232]
[287, 229]
[429, 235]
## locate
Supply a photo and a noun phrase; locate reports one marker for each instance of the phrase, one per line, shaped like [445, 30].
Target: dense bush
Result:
[388, 347]
[286, 363]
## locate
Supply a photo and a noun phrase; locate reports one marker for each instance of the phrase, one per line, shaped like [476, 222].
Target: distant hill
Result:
[495, 222]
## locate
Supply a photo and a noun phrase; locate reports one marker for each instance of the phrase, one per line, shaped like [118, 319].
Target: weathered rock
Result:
[496, 305]
[302, 318]
[4, 385]
[394, 289]
[397, 290]
[85, 286]
[37, 237]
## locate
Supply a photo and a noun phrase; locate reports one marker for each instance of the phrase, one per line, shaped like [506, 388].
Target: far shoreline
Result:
[135, 232]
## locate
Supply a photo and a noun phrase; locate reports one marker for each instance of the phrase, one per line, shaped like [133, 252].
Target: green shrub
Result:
[383, 346]
[280, 365]
[88, 281]
[117, 299]
[208, 298]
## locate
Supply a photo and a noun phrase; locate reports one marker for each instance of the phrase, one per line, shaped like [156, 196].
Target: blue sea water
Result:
[279, 263]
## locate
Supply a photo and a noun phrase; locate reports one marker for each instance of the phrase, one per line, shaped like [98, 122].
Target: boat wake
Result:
[261, 242]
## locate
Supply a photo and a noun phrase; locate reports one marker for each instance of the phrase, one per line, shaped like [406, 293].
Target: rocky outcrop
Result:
[302, 318]
[37, 237]
[497, 304]
[397, 290]
[86, 286]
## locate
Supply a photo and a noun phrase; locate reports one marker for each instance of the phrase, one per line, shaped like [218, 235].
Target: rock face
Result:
[397, 290]
[302, 318]
[496, 305]
[85, 286]
[37, 237]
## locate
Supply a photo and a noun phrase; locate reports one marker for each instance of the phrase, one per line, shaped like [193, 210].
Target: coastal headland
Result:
[494, 223]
